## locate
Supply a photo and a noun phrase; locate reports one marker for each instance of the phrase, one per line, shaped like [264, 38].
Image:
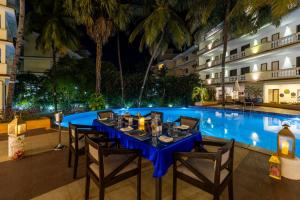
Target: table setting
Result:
[157, 141]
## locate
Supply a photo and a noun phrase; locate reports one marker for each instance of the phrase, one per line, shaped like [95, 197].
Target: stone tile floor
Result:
[250, 177]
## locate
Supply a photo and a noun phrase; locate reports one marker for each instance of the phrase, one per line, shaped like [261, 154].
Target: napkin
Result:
[103, 119]
[129, 128]
[166, 139]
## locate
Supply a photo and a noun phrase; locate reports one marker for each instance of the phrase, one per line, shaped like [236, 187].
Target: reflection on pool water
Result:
[253, 128]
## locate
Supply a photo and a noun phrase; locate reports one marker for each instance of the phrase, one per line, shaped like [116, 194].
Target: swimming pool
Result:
[253, 128]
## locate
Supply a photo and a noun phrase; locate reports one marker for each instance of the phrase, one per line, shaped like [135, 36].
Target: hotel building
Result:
[8, 29]
[265, 64]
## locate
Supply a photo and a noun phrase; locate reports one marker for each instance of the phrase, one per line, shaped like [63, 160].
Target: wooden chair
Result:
[152, 114]
[209, 171]
[76, 142]
[104, 114]
[193, 123]
[108, 166]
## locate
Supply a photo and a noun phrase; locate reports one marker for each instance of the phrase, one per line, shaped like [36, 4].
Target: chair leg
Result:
[75, 166]
[139, 182]
[87, 187]
[174, 185]
[101, 192]
[230, 189]
[70, 158]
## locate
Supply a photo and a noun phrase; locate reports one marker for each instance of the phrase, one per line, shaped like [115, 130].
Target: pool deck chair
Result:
[209, 171]
[193, 123]
[107, 166]
[104, 114]
[152, 114]
[76, 142]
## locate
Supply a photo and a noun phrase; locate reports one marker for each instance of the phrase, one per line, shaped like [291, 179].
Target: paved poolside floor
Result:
[43, 175]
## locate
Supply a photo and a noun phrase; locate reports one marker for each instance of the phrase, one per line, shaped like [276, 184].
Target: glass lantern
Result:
[286, 143]
[141, 123]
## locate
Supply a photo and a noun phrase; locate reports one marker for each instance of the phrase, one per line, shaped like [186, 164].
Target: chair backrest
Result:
[156, 113]
[193, 123]
[73, 135]
[96, 154]
[224, 159]
[104, 114]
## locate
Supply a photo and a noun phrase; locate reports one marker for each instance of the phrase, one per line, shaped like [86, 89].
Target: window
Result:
[243, 48]
[275, 65]
[264, 67]
[207, 76]
[298, 62]
[217, 58]
[264, 40]
[245, 70]
[275, 36]
[216, 75]
[233, 52]
[233, 72]
[186, 70]
[186, 58]
[208, 60]
[298, 28]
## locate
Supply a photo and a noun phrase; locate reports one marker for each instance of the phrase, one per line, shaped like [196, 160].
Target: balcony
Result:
[273, 75]
[230, 79]
[285, 41]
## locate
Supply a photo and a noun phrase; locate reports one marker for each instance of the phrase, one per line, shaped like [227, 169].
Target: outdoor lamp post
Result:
[58, 117]
[16, 134]
[286, 143]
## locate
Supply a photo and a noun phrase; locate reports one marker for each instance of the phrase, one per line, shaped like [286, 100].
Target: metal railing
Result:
[281, 42]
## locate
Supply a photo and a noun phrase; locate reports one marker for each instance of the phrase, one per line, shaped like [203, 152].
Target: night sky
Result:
[132, 59]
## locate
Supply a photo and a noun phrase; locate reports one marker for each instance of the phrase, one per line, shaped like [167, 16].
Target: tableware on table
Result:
[103, 119]
[126, 129]
[183, 127]
[165, 139]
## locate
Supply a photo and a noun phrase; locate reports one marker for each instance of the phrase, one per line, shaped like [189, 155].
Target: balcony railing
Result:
[291, 39]
[271, 75]
[230, 79]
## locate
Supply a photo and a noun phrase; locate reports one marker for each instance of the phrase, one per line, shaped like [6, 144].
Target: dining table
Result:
[152, 148]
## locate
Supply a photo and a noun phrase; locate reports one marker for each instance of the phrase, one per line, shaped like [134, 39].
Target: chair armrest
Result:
[200, 155]
[148, 114]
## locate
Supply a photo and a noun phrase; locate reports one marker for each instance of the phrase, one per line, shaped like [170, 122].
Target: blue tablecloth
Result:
[161, 156]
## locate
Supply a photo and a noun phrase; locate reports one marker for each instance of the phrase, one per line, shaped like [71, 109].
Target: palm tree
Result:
[240, 17]
[56, 29]
[122, 19]
[160, 26]
[19, 44]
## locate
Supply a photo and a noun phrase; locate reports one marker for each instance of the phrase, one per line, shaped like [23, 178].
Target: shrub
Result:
[96, 102]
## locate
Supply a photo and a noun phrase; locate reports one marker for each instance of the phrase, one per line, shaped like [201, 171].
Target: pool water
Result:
[253, 128]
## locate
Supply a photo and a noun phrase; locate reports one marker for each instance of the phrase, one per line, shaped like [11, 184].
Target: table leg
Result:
[158, 188]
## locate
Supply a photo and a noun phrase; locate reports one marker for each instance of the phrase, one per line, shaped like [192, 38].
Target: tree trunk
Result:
[54, 76]
[13, 74]
[98, 66]
[225, 40]
[120, 68]
[148, 68]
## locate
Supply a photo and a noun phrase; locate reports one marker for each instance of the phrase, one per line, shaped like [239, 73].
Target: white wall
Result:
[292, 86]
